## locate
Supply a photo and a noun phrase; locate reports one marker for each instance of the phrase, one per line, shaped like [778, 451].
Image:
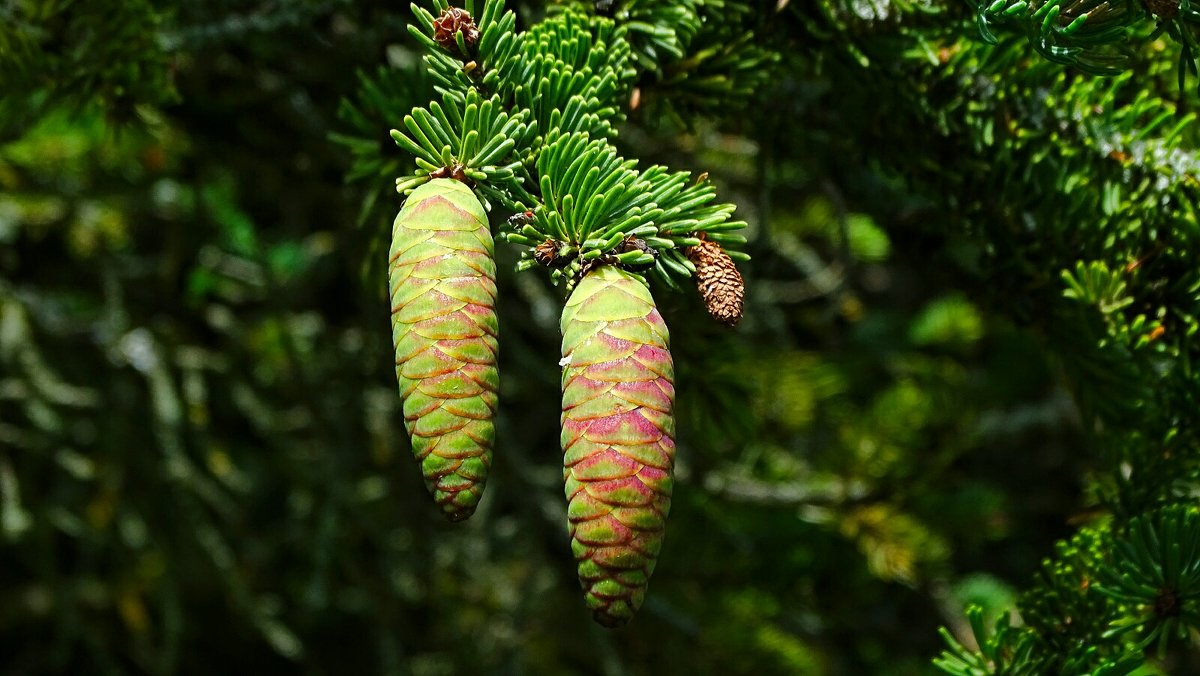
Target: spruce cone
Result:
[617, 437]
[443, 290]
[718, 280]
[452, 21]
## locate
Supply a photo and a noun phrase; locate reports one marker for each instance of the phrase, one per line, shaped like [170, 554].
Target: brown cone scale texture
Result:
[443, 292]
[452, 21]
[617, 438]
[718, 280]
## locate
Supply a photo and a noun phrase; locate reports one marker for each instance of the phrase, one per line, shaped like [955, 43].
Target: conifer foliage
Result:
[587, 214]
[962, 390]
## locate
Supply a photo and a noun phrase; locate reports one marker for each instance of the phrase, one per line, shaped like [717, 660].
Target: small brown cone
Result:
[452, 21]
[718, 280]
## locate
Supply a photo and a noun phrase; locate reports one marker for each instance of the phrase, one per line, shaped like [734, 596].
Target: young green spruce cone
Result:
[617, 437]
[443, 291]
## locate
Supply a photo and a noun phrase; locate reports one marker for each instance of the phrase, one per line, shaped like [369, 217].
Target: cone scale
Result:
[617, 438]
[442, 278]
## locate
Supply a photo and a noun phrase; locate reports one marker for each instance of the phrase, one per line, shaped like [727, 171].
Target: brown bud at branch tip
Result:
[546, 252]
[550, 254]
[452, 21]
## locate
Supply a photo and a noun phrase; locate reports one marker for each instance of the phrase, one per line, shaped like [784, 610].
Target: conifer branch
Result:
[1097, 36]
[456, 65]
[471, 139]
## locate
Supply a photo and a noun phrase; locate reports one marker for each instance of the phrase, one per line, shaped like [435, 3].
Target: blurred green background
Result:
[202, 462]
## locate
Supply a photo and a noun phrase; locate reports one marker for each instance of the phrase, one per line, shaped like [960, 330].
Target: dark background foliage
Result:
[202, 462]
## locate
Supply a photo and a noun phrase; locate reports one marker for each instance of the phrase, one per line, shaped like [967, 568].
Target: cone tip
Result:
[612, 613]
[458, 506]
[456, 514]
[608, 620]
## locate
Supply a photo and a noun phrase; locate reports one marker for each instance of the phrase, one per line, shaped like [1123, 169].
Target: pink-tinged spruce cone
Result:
[617, 437]
[443, 289]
